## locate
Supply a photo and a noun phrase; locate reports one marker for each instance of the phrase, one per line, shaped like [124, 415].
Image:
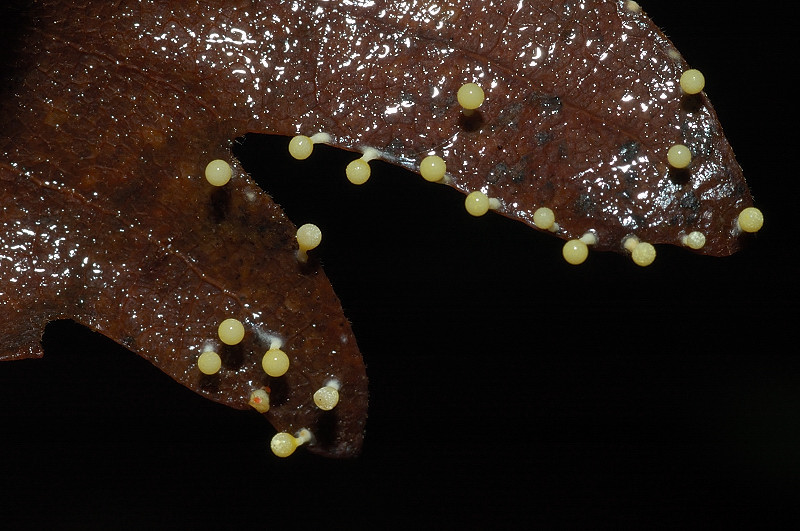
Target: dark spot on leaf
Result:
[508, 117]
[520, 171]
[584, 205]
[690, 204]
[628, 151]
[690, 201]
[497, 172]
[543, 137]
[631, 178]
[552, 105]
[547, 190]
[548, 103]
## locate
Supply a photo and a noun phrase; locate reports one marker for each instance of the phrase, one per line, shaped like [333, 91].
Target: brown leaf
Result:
[112, 112]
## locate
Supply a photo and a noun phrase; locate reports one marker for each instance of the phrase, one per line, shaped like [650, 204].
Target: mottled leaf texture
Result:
[112, 110]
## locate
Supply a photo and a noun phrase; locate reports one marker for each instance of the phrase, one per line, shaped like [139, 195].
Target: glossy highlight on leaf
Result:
[113, 112]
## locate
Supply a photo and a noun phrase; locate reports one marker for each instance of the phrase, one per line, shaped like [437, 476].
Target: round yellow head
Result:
[679, 156]
[209, 362]
[544, 218]
[432, 168]
[477, 203]
[326, 397]
[692, 81]
[275, 362]
[231, 331]
[575, 252]
[309, 236]
[300, 147]
[358, 171]
[751, 219]
[470, 96]
[643, 254]
[218, 172]
[283, 444]
[695, 240]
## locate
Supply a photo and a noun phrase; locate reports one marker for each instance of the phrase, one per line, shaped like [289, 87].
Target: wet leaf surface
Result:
[614, 392]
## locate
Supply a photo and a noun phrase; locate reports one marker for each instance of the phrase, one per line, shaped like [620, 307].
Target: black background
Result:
[507, 388]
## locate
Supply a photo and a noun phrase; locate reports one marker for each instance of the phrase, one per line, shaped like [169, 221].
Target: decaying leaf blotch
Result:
[112, 111]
